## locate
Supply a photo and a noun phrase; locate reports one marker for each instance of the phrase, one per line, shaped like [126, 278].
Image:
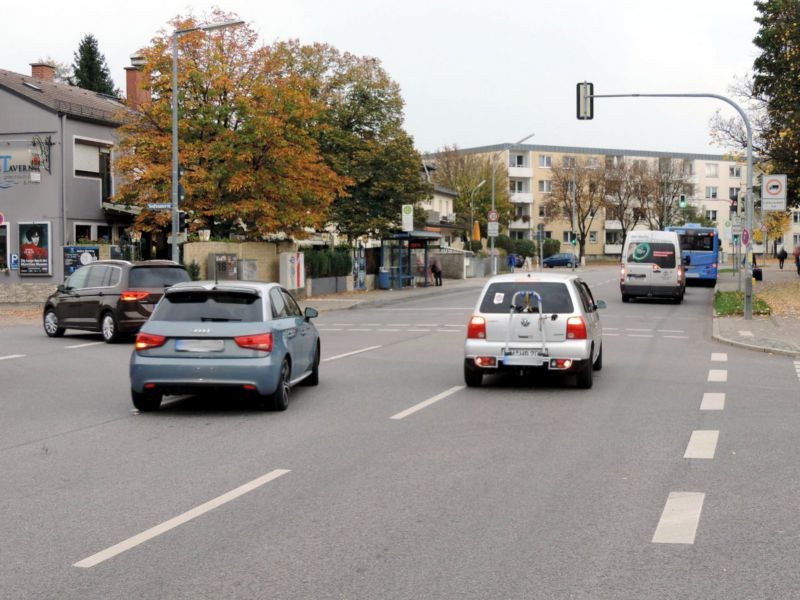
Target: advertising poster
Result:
[77, 256]
[34, 248]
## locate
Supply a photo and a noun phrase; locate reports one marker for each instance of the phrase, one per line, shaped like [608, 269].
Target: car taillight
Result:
[132, 295]
[262, 341]
[476, 330]
[144, 341]
[622, 274]
[576, 328]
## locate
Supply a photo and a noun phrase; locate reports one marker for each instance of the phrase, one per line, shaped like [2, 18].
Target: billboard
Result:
[34, 248]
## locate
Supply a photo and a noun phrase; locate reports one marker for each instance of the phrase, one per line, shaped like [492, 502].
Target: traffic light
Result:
[585, 93]
[734, 206]
[573, 239]
[682, 200]
[181, 220]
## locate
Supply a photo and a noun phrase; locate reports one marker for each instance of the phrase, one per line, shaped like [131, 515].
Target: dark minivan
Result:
[114, 297]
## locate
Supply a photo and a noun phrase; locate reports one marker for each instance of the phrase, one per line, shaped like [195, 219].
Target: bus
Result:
[701, 245]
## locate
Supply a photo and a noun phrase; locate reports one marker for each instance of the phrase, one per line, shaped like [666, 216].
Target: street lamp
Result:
[471, 217]
[495, 156]
[175, 35]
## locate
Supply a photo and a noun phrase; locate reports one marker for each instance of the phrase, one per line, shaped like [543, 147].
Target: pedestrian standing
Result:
[782, 255]
[436, 269]
[511, 261]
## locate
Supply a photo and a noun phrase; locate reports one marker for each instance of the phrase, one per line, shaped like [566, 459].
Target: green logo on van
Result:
[641, 252]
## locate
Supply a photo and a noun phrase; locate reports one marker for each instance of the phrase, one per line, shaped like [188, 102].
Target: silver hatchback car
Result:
[534, 321]
[228, 336]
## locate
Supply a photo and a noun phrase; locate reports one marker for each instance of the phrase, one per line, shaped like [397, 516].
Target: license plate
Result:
[522, 352]
[199, 345]
[690, 275]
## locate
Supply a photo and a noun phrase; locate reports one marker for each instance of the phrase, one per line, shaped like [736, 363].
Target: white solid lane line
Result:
[702, 444]
[428, 402]
[713, 401]
[83, 345]
[718, 375]
[719, 357]
[96, 559]
[681, 516]
[10, 356]
[367, 349]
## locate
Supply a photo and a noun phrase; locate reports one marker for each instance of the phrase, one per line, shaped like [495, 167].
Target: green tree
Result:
[245, 138]
[776, 78]
[360, 134]
[463, 173]
[89, 69]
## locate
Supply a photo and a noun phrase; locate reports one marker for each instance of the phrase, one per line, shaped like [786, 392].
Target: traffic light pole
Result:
[586, 110]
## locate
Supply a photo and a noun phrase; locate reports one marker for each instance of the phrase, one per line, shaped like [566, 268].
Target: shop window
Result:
[83, 233]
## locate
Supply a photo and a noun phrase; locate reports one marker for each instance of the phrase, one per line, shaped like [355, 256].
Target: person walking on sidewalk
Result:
[436, 269]
[782, 255]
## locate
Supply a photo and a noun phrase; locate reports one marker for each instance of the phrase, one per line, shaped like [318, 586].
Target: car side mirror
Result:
[310, 313]
[687, 260]
[600, 304]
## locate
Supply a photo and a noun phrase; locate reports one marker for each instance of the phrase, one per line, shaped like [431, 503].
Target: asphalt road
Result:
[675, 476]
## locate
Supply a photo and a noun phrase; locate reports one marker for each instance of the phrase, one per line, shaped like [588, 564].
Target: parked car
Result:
[113, 297]
[563, 259]
[534, 322]
[230, 336]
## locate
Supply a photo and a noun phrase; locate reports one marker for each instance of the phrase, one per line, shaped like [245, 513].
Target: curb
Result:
[715, 335]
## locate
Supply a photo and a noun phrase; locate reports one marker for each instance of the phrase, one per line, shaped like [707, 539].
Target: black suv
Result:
[113, 297]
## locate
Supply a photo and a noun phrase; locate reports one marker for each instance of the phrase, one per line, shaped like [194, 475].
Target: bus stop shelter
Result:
[405, 259]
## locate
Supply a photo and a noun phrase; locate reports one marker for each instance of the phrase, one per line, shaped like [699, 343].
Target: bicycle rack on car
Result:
[527, 296]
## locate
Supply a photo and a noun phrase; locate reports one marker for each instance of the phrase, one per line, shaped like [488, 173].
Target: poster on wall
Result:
[78, 256]
[34, 248]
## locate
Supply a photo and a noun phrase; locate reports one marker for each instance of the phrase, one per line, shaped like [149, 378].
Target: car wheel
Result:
[583, 378]
[146, 401]
[51, 327]
[626, 298]
[598, 363]
[109, 328]
[279, 400]
[313, 379]
[472, 377]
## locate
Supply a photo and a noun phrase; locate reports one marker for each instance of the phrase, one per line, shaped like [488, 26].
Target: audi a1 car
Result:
[207, 336]
[534, 322]
[114, 297]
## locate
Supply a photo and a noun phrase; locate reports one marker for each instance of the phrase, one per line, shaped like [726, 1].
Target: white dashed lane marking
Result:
[367, 349]
[426, 403]
[719, 357]
[713, 401]
[141, 538]
[681, 516]
[719, 375]
[10, 356]
[702, 444]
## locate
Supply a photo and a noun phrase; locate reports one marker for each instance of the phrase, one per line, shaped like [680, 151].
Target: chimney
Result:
[135, 92]
[43, 71]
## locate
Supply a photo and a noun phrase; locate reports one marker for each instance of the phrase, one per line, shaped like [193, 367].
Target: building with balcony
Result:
[712, 181]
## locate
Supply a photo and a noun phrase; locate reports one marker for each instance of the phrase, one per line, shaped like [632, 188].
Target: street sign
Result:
[493, 216]
[773, 192]
[764, 229]
[159, 205]
[745, 237]
[493, 228]
[408, 217]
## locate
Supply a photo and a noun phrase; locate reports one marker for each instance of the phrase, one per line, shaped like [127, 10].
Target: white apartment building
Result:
[716, 179]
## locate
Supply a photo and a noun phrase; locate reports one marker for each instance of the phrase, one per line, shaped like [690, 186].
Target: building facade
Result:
[713, 182]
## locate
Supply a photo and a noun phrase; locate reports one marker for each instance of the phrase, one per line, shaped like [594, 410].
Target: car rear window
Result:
[209, 306]
[662, 254]
[157, 277]
[555, 296]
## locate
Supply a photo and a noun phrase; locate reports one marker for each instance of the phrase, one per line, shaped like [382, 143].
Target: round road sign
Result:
[745, 237]
[493, 216]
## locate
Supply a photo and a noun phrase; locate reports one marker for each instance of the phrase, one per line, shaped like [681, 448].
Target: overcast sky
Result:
[471, 73]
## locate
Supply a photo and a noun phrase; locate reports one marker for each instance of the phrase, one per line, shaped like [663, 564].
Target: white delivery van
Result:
[651, 266]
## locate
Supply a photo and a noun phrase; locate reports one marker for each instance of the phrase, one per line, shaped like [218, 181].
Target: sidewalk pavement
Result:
[773, 334]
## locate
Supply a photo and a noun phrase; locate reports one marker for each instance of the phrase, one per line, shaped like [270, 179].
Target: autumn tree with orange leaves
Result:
[253, 165]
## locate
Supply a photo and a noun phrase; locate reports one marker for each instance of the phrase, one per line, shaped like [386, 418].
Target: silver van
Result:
[651, 266]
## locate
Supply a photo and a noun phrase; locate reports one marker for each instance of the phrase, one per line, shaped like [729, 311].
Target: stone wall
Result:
[24, 292]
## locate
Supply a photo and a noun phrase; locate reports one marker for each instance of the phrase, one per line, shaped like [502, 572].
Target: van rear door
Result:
[638, 267]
